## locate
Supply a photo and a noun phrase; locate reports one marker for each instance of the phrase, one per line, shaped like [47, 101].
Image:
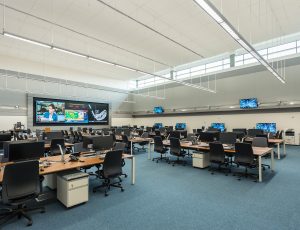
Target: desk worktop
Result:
[58, 166]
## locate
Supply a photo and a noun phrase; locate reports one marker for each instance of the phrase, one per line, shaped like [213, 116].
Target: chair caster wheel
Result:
[105, 194]
[94, 190]
[126, 176]
[29, 224]
[122, 190]
[212, 173]
[43, 211]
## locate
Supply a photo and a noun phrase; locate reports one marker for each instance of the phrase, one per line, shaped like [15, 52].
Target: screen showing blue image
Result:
[180, 126]
[220, 126]
[267, 127]
[249, 103]
[158, 125]
[158, 110]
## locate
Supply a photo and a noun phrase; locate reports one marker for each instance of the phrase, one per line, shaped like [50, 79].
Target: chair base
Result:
[246, 174]
[107, 184]
[19, 211]
[161, 158]
[177, 161]
[226, 170]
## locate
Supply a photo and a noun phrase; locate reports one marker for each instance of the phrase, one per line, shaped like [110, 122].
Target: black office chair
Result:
[76, 137]
[127, 142]
[144, 143]
[54, 147]
[21, 184]
[244, 156]
[159, 148]
[262, 141]
[218, 156]
[175, 150]
[80, 137]
[111, 170]
[121, 146]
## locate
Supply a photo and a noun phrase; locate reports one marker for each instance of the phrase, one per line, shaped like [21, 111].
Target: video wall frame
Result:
[61, 112]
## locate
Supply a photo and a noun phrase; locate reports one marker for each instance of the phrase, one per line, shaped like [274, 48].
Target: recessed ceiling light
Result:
[291, 103]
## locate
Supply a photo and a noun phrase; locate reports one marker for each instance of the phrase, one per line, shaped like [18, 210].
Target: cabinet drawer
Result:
[78, 183]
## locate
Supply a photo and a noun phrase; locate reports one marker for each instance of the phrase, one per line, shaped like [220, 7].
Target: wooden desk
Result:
[259, 152]
[276, 142]
[137, 140]
[58, 166]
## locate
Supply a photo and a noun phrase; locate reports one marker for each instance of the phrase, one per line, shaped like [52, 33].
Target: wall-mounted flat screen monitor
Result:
[180, 126]
[48, 111]
[248, 103]
[267, 127]
[158, 125]
[158, 110]
[219, 126]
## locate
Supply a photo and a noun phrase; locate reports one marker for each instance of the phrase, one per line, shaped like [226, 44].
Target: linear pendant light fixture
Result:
[21, 38]
[212, 11]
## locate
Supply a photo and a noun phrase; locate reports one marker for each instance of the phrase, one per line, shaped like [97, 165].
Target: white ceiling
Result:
[181, 20]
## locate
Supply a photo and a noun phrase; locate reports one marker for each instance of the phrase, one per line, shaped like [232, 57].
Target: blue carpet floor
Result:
[182, 197]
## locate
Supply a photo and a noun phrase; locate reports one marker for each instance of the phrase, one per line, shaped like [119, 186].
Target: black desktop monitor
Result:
[4, 137]
[228, 138]
[254, 132]
[23, 150]
[103, 143]
[240, 130]
[149, 129]
[53, 135]
[207, 136]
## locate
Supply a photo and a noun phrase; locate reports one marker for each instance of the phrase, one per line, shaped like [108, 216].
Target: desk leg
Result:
[133, 170]
[278, 151]
[131, 148]
[272, 160]
[259, 169]
[149, 150]
[284, 151]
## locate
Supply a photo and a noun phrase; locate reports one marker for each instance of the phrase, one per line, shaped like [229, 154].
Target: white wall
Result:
[7, 122]
[116, 121]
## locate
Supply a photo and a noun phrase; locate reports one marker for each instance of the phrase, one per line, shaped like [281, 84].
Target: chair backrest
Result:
[145, 135]
[260, 142]
[280, 134]
[217, 153]
[244, 153]
[20, 180]
[175, 147]
[54, 148]
[125, 139]
[157, 133]
[112, 165]
[158, 144]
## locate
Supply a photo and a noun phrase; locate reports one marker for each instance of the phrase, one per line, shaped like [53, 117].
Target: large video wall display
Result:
[48, 111]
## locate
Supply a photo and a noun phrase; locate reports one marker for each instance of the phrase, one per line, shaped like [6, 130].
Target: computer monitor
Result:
[53, 135]
[228, 138]
[180, 126]
[207, 137]
[158, 110]
[23, 150]
[158, 125]
[254, 132]
[4, 137]
[240, 130]
[219, 126]
[267, 127]
[249, 103]
[103, 142]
